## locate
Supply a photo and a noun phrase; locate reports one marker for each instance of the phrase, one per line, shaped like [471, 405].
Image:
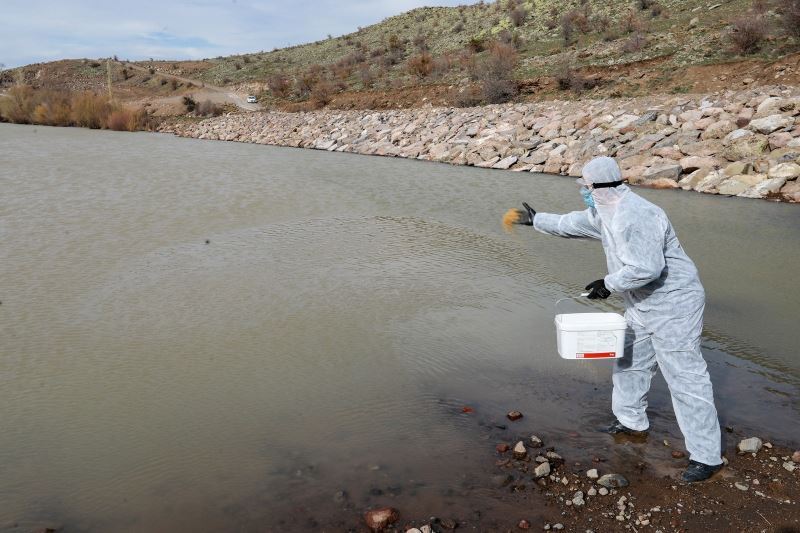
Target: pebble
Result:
[789, 465]
[520, 452]
[613, 481]
[751, 445]
[514, 415]
[542, 470]
[602, 491]
[536, 442]
[740, 486]
[591, 492]
[524, 524]
[796, 456]
[502, 448]
[592, 474]
[577, 499]
[677, 454]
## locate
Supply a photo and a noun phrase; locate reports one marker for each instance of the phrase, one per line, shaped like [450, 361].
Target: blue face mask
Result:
[587, 197]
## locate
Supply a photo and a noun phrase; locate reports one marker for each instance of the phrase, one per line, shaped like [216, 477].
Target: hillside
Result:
[444, 56]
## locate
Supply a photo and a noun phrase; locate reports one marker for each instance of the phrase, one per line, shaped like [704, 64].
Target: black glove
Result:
[527, 220]
[597, 289]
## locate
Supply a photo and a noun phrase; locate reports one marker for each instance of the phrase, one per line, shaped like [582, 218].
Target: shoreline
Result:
[736, 143]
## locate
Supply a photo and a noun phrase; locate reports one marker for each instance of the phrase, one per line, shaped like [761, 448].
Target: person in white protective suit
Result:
[664, 304]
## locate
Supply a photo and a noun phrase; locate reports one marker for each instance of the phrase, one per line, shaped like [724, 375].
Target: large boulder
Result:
[771, 123]
[768, 187]
[693, 162]
[710, 182]
[665, 170]
[788, 171]
[746, 148]
[718, 130]
[739, 184]
[791, 192]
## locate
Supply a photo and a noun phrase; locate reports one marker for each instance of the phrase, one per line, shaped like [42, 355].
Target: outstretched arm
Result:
[576, 225]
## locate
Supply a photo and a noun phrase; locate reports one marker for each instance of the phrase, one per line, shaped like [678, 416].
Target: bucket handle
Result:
[581, 295]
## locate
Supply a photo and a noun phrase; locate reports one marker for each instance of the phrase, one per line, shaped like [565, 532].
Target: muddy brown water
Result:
[344, 311]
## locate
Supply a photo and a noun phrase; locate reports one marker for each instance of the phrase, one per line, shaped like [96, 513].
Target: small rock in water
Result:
[592, 474]
[536, 442]
[613, 481]
[501, 480]
[519, 451]
[751, 445]
[502, 447]
[677, 454]
[340, 496]
[514, 415]
[542, 470]
[380, 519]
[796, 456]
[524, 524]
[448, 523]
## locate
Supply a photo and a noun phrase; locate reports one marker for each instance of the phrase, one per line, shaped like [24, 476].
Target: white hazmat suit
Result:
[664, 304]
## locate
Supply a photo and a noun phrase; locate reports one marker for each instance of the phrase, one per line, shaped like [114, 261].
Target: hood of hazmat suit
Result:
[664, 303]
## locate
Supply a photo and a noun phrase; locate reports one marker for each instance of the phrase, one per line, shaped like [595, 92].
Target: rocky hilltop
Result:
[744, 143]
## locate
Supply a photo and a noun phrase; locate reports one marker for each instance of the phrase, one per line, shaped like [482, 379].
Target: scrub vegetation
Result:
[26, 105]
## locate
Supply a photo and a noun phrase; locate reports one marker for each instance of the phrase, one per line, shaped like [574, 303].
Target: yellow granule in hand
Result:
[511, 217]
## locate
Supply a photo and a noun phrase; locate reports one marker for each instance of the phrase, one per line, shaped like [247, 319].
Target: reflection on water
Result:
[315, 355]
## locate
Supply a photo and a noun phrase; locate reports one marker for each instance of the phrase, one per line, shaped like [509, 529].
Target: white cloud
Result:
[38, 30]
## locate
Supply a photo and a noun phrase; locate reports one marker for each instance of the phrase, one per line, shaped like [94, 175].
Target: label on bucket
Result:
[595, 341]
[596, 355]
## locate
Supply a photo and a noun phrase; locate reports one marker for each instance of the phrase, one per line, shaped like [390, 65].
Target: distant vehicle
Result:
[252, 99]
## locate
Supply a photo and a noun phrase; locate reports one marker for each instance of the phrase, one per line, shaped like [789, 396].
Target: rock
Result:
[780, 139]
[536, 442]
[677, 454]
[768, 187]
[502, 447]
[519, 451]
[380, 519]
[746, 148]
[769, 106]
[740, 486]
[448, 523]
[660, 183]
[738, 184]
[542, 470]
[693, 23]
[591, 492]
[788, 171]
[771, 123]
[693, 162]
[524, 524]
[613, 481]
[426, 529]
[501, 480]
[796, 456]
[737, 134]
[670, 171]
[691, 181]
[514, 415]
[592, 474]
[718, 130]
[602, 491]
[413, 530]
[577, 499]
[504, 164]
[791, 192]
[738, 168]
[789, 466]
[751, 445]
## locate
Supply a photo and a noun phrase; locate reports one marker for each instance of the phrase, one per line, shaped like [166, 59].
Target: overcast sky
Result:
[34, 30]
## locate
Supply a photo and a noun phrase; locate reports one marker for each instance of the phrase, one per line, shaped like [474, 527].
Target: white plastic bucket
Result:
[590, 335]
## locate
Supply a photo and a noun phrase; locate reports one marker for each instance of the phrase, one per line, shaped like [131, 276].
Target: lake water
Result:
[327, 336]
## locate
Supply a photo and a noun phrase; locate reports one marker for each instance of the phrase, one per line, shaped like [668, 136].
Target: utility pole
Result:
[108, 72]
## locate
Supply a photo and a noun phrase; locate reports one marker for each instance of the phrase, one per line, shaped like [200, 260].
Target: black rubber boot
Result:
[618, 429]
[699, 472]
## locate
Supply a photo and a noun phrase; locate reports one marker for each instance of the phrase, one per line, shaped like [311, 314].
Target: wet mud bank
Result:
[735, 143]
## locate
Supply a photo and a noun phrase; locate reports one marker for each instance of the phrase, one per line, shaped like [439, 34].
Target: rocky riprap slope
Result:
[744, 143]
